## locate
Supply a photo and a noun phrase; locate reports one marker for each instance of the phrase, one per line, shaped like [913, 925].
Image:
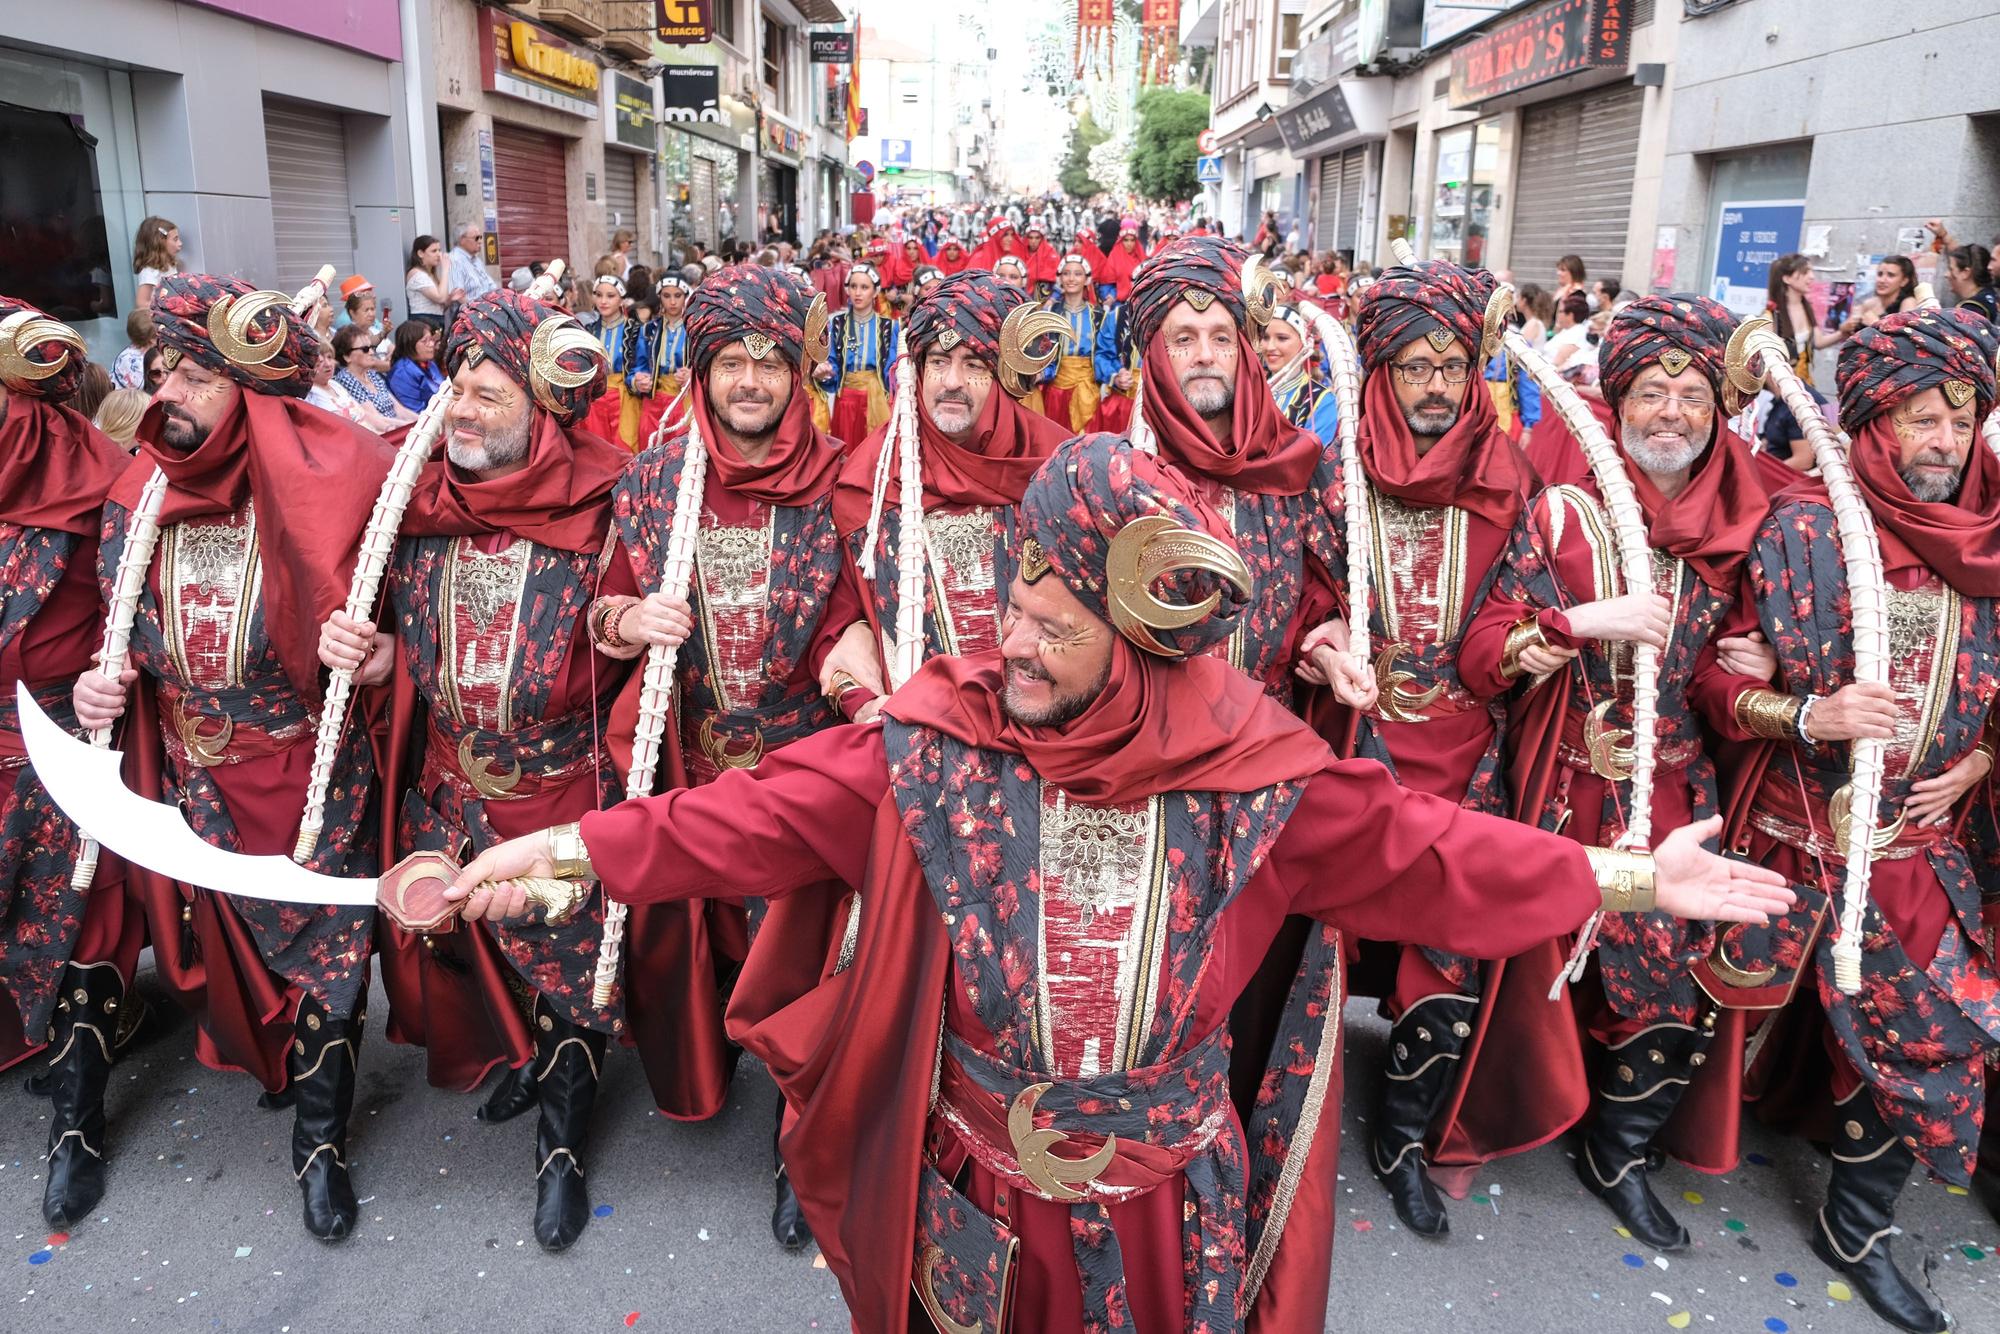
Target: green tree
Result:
[1164, 151]
[1076, 180]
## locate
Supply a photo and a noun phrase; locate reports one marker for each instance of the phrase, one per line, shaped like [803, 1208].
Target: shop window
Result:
[1468, 159]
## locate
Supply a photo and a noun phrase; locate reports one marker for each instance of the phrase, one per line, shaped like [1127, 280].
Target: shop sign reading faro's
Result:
[551, 62]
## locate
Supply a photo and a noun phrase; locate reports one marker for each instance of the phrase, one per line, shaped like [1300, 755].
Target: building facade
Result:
[277, 138]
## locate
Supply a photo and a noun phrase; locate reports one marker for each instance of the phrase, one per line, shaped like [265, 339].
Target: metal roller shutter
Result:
[1573, 192]
[533, 190]
[1326, 220]
[312, 214]
[1353, 167]
[701, 201]
[621, 192]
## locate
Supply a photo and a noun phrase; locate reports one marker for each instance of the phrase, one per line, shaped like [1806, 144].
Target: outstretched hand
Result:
[1690, 881]
[487, 882]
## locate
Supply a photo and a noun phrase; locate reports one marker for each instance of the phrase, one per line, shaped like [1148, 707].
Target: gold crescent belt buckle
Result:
[1397, 702]
[1728, 973]
[1054, 1177]
[1610, 749]
[479, 772]
[721, 756]
[1840, 817]
[206, 749]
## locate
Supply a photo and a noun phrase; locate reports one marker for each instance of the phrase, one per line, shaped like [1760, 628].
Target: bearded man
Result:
[1561, 621]
[768, 602]
[976, 450]
[1894, 1072]
[501, 591]
[264, 505]
[67, 951]
[1072, 854]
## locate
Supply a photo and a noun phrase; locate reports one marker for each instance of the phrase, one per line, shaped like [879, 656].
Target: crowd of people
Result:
[1017, 684]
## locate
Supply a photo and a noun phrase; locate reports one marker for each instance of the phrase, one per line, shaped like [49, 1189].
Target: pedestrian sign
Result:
[1208, 170]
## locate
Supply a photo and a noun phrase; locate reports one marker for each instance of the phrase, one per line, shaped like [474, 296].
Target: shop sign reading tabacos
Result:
[529, 62]
[1557, 39]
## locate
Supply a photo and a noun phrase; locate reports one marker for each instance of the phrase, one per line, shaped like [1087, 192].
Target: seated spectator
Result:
[413, 370]
[129, 370]
[361, 305]
[353, 353]
[118, 415]
[154, 369]
[326, 393]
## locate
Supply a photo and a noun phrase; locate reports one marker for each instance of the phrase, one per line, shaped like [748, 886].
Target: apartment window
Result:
[777, 56]
[1288, 45]
[725, 20]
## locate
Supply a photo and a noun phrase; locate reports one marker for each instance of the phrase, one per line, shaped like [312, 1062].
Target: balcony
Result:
[628, 28]
[578, 18]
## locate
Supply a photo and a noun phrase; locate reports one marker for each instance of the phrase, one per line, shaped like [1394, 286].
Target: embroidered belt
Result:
[1595, 746]
[1812, 822]
[208, 728]
[507, 766]
[1089, 1143]
[740, 738]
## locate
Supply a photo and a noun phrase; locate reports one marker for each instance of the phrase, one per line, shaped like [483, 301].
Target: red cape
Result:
[55, 467]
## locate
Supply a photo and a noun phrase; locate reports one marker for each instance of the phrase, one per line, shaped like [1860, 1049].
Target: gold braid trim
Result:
[1769, 715]
[1625, 879]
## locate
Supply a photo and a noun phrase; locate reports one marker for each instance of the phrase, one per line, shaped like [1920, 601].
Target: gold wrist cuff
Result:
[1625, 879]
[567, 851]
[1524, 635]
[1769, 715]
[841, 683]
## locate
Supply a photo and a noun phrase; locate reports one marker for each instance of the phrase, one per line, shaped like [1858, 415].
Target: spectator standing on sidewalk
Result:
[129, 370]
[156, 252]
[426, 287]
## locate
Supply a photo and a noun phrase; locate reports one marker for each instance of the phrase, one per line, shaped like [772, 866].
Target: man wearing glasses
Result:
[468, 264]
[1561, 622]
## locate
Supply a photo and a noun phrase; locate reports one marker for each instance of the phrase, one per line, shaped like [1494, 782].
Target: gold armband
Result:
[1524, 635]
[1769, 715]
[1625, 879]
[567, 851]
[838, 686]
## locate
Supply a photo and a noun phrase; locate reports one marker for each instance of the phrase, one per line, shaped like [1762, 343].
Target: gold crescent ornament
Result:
[719, 754]
[1149, 548]
[24, 329]
[1742, 382]
[206, 749]
[817, 342]
[1019, 367]
[1730, 975]
[1498, 307]
[1052, 1176]
[1262, 290]
[232, 328]
[480, 772]
[1840, 815]
[555, 337]
[1398, 703]
[927, 1264]
[1610, 748]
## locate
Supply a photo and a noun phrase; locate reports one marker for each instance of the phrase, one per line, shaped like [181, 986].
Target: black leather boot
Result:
[1641, 1084]
[81, 1038]
[516, 1092]
[323, 1056]
[1424, 1050]
[788, 1221]
[567, 1058]
[1851, 1236]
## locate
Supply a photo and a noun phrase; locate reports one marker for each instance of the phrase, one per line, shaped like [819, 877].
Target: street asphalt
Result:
[199, 1229]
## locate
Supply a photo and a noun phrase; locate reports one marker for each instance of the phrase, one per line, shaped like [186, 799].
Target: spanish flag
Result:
[854, 85]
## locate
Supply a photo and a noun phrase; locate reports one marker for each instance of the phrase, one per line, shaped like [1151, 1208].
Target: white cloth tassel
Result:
[142, 536]
[656, 685]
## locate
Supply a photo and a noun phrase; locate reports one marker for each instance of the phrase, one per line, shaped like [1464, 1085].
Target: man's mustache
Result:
[1435, 403]
[958, 396]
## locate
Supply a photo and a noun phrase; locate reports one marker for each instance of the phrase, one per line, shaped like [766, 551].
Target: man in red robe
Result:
[263, 509]
[1561, 619]
[66, 952]
[1444, 488]
[501, 595]
[768, 600]
[977, 446]
[1893, 1074]
[1072, 854]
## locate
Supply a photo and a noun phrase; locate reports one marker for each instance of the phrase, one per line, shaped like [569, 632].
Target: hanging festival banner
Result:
[1159, 35]
[1093, 36]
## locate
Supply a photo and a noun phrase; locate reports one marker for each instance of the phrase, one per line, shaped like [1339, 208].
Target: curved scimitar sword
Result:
[84, 781]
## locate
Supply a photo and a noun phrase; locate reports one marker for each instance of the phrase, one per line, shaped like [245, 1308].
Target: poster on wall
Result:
[489, 198]
[1753, 234]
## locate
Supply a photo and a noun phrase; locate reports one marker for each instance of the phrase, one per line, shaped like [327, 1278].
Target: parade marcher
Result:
[657, 353]
[496, 593]
[1297, 383]
[999, 241]
[977, 447]
[1560, 619]
[1071, 386]
[264, 502]
[1120, 263]
[1040, 259]
[859, 373]
[1900, 1062]
[67, 952]
[609, 326]
[1070, 854]
[928, 276]
[768, 603]
[952, 257]
[1445, 488]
